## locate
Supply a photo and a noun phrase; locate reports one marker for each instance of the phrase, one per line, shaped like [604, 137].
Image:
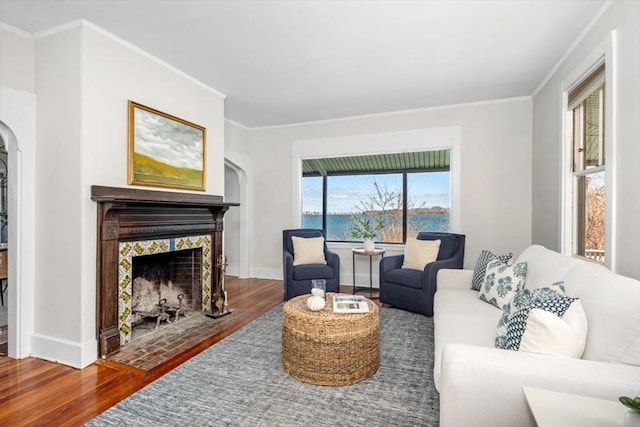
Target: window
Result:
[410, 191]
[586, 135]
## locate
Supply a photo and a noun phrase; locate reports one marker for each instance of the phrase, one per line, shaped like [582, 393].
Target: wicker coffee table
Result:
[327, 348]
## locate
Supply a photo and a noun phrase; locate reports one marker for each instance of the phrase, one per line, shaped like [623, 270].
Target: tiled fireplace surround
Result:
[134, 222]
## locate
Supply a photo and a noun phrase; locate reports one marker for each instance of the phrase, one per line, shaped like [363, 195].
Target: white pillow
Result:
[419, 253]
[308, 250]
[546, 333]
[501, 282]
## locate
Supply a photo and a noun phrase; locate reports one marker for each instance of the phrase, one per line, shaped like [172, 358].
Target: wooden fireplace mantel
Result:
[131, 214]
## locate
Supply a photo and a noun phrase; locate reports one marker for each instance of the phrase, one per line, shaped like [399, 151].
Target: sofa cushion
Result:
[312, 271]
[501, 282]
[546, 266]
[460, 318]
[405, 277]
[612, 304]
[480, 270]
[419, 253]
[308, 250]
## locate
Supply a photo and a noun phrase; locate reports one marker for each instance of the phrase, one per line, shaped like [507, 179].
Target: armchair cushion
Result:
[312, 271]
[405, 277]
[419, 253]
[308, 250]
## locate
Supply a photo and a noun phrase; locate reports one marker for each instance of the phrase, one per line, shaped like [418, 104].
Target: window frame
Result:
[422, 139]
[405, 178]
[603, 54]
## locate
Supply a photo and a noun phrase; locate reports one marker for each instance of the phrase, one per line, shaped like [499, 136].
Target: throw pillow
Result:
[555, 326]
[502, 281]
[526, 296]
[522, 299]
[419, 253]
[480, 269]
[308, 250]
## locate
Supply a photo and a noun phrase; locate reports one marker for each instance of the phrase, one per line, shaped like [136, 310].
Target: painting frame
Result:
[164, 150]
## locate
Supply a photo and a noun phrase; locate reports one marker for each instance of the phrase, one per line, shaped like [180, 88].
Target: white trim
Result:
[398, 112]
[605, 52]
[267, 273]
[82, 23]
[573, 46]
[240, 165]
[425, 139]
[233, 122]
[18, 31]
[62, 351]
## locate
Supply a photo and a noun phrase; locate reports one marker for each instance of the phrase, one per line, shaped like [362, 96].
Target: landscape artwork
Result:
[165, 151]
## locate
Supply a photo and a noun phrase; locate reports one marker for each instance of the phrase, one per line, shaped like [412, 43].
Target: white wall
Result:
[495, 193]
[547, 138]
[16, 67]
[84, 77]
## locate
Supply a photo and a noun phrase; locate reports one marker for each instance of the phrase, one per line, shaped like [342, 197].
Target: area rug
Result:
[240, 382]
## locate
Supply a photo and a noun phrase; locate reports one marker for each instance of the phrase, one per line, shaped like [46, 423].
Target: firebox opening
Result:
[166, 287]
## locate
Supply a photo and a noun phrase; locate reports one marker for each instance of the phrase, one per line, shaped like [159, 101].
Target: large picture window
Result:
[409, 191]
[586, 116]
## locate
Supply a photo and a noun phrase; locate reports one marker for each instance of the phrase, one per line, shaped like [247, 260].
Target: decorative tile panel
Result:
[128, 250]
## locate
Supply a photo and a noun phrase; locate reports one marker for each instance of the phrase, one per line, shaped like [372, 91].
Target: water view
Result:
[339, 225]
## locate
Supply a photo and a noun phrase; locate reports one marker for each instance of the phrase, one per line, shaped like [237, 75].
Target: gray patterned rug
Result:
[240, 382]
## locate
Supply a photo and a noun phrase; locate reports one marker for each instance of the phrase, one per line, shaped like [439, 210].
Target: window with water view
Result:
[409, 191]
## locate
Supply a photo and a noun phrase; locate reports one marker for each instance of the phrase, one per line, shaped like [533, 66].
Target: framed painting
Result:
[165, 151]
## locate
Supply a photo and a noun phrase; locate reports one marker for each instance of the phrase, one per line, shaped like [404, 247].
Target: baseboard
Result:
[267, 273]
[69, 353]
[346, 279]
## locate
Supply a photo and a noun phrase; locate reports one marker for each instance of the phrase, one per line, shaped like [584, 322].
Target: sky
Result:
[168, 141]
[344, 192]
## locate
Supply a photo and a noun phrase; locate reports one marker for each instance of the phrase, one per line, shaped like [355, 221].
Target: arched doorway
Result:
[236, 224]
[17, 132]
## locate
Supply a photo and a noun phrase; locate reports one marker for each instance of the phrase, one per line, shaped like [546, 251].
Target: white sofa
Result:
[481, 385]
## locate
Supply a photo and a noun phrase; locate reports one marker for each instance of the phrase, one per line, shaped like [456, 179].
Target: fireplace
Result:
[161, 281]
[154, 245]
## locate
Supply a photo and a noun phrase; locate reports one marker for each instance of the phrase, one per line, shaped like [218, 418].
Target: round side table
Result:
[327, 348]
[370, 254]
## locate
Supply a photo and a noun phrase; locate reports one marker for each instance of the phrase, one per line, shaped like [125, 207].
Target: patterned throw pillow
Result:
[502, 281]
[480, 269]
[522, 299]
[518, 322]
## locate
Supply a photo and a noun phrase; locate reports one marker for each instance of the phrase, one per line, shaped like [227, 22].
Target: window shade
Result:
[580, 92]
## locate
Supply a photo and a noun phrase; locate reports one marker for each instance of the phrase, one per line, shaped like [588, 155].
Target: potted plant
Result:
[364, 228]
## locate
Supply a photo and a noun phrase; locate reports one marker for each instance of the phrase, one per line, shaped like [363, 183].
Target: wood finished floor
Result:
[34, 392]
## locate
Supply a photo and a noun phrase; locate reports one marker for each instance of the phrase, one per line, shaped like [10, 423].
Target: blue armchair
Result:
[297, 279]
[413, 290]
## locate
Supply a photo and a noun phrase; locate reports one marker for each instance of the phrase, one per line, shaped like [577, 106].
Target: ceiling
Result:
[285, 62]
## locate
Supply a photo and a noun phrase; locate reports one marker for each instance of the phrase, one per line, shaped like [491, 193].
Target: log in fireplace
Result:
[133, 220]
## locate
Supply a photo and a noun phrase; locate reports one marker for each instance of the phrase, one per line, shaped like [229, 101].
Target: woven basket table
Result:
[327, 348]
